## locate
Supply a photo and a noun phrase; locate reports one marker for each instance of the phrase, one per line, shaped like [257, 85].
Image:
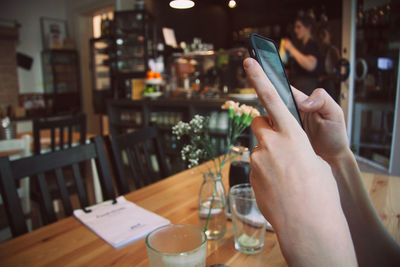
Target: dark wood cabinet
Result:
[121, 56]
[61, 80]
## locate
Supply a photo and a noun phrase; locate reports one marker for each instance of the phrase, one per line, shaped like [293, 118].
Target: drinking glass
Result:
[249, 224]
[177, 245]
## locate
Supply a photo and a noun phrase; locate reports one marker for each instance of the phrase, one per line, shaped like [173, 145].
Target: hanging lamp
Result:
[232, 3]
[181, 4]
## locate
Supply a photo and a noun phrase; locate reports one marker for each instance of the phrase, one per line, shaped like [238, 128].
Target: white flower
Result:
[180, 129]
[197, 124]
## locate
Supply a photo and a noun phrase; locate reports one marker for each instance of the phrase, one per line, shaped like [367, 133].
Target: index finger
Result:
[267, 94]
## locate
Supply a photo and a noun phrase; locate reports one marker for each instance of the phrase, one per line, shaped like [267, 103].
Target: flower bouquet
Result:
[198, 148]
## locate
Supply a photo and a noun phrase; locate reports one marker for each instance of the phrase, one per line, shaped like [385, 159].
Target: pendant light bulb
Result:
[181, 4]
[232, 3]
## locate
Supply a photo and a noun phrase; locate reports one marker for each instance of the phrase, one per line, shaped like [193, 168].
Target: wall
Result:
[79, 13]
[28, 14]
[8, 66]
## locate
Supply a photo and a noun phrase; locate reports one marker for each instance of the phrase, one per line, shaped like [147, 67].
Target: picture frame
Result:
[54, 32]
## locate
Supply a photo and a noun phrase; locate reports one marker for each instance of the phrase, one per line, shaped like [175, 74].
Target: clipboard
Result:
[119, 222]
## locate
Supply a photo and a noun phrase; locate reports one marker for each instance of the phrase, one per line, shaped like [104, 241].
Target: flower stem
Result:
[211, 206]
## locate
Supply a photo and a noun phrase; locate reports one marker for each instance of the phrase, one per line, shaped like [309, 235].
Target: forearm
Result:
[306, 61]
[373, 244]
[323, 240]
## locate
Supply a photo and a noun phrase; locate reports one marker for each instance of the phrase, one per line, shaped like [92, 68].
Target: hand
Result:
[324, 124]
[295, 189]
[283, 143]
[287, 44]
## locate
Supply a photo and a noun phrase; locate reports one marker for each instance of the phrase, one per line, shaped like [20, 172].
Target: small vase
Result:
[212, 203]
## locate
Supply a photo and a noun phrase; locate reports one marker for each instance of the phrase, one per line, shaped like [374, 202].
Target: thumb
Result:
[320, 101]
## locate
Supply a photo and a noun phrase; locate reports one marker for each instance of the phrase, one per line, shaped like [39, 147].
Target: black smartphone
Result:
[266, 53]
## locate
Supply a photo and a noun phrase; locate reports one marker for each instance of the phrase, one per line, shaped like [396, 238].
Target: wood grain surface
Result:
[69, 243]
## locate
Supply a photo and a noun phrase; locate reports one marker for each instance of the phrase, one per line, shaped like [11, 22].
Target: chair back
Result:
[141, 150]
[62, 131]
[38, 166]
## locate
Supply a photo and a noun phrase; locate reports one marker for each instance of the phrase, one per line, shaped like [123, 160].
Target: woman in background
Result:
[305, 67]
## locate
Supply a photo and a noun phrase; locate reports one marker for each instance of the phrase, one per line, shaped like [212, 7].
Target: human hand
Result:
[324, 124]
[287, 44]
[295, 189]
[282, 143]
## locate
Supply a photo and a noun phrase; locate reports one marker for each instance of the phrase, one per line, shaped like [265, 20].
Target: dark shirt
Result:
[306, 81]
[310, 48]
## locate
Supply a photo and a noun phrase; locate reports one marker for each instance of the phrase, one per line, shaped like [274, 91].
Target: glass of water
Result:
[177, 245]
[249, 225]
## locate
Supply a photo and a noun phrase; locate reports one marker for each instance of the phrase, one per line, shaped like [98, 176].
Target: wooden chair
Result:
[61, 132]
[18, 148]
[138, 150]
[37, 167]
[59, 127]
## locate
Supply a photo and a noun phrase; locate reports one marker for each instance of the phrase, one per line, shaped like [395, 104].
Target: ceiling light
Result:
[232, 3]
[181, 4]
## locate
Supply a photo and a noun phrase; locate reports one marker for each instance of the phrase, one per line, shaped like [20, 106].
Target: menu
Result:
[119, 222]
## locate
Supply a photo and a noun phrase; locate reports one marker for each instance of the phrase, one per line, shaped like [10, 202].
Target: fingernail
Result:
[308, 102]
[248, 63]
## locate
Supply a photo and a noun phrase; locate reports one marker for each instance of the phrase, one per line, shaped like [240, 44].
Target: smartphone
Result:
[265, 52]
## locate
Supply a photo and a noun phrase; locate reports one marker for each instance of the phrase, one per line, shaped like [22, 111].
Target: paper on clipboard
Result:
[121, 223]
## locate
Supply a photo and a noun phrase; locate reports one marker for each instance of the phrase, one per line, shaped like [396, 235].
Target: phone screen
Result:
[266, 53]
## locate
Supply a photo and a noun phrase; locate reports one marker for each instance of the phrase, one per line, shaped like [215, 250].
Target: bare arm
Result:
[324, 123]
[308, 62]
[373, 243]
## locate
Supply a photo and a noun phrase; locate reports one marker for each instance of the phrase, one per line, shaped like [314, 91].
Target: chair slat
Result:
[104, 171]
[64, 192]
[47, 203]
[150, 172]
[143, 172]
[83, 200]
[132, 165]
[161, 157]
[117, 166]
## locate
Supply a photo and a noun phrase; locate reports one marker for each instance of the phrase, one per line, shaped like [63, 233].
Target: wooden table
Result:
[69, 243]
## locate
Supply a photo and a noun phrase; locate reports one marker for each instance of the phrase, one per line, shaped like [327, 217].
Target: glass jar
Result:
[212, 203]
[239, 170]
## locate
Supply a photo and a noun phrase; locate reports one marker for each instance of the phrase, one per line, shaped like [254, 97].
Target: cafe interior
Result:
[117, 123]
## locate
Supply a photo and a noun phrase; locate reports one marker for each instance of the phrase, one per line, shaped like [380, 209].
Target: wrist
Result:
[343, 156]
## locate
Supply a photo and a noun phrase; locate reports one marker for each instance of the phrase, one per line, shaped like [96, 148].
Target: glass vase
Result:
[212, 203]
